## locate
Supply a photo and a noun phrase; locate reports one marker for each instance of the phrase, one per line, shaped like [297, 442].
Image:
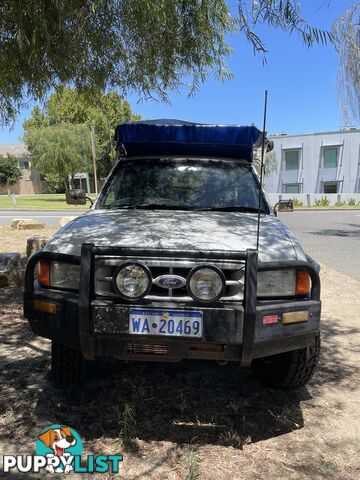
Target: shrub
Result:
[10, 171]
[351, 201]
[323, 202]
[129, 424]
[297, 202]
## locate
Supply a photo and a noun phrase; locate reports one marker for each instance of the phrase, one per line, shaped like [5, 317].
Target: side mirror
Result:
[76, 197]
[284, 206]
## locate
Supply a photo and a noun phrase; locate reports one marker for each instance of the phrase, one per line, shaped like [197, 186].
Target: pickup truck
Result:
[180, 257]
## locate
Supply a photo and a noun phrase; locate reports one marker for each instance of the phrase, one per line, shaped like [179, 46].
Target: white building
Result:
[316, 163]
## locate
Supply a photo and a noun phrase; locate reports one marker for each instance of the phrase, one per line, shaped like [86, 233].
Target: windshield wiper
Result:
[149, 206]
[163, 206]
[231, 208]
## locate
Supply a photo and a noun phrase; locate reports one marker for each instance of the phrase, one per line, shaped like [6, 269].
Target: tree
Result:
[346, 30]
[59, 152]
[103, 112]
[270, 163]
[143, 45]
[10, 172]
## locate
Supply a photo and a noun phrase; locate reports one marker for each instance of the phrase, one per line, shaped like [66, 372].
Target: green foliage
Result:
[297, 202]
[59, 151]
[102, 111]
[323, 202]
[283, 14]
[193, 467]
[143, 45]
[351, 202]
[10, 171]
[346, 31]
[270, 163]
[129, 423]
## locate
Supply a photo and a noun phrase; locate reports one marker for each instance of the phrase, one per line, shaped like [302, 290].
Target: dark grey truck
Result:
[165, 266]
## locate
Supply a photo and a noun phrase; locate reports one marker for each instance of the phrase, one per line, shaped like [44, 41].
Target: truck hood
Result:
[178, 229]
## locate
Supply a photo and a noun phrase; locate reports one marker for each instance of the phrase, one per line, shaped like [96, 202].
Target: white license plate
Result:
[173, 323]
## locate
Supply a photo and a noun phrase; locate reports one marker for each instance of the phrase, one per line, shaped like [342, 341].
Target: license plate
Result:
[173, 323]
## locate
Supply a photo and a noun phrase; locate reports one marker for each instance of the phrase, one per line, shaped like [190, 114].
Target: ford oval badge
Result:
[169, 281]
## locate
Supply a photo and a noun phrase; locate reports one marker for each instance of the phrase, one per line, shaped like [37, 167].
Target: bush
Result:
[10, 171]
[297, 202]
[323, 202]
[351, 202]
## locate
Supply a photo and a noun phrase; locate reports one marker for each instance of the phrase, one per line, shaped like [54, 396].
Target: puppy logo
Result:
[58, 439]
[59, 444]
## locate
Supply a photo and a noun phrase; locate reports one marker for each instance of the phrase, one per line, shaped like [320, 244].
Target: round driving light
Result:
[132, 280]
[206, 283]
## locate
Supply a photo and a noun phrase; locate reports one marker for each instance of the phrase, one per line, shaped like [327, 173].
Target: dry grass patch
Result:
[15, 240]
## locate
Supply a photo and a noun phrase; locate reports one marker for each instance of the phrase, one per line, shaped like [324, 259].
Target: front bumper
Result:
[232, 332]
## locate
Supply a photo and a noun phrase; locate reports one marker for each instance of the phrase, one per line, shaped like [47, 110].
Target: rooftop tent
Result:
[176, 137]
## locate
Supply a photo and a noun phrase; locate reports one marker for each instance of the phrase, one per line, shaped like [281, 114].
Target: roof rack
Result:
[177, 137]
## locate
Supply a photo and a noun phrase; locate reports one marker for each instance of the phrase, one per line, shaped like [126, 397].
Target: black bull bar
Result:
[86, 288]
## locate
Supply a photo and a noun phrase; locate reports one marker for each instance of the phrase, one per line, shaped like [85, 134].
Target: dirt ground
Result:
[194, 420]
[15, 240]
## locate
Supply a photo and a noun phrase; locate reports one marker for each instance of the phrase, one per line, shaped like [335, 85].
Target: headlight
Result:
[206, 283]
[276, 283]
[132, 280]
[64, 275]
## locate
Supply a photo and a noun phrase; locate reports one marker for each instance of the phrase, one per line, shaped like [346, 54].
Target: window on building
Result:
[330, 187]
[330, 157]
[292, 159]
[24, 165]
[292, 188]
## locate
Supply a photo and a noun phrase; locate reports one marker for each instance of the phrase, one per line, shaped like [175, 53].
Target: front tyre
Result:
[288, 370]
[68, 366]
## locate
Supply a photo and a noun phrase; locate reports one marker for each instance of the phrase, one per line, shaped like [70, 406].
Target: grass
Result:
[52, 201]
[129, 423]
[15, 240]
[329, 207]
[193, 473]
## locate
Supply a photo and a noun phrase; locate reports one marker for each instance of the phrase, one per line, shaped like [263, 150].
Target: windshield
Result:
[183, 184]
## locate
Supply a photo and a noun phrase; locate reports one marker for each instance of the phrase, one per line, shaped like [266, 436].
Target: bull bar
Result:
[86, 287]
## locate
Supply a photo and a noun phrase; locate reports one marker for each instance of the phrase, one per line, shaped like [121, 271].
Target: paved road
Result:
[47, 217]
[330, 237]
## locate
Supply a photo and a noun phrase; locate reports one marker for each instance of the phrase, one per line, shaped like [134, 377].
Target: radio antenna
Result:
[261, 170]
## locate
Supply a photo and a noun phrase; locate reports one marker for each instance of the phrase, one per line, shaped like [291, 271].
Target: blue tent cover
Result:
[176, 137]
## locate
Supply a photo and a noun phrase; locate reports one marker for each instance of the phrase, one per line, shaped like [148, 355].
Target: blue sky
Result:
[301, 84]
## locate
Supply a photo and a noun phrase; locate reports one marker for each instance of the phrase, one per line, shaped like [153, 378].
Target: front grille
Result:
[233, 270]
[143, 349]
